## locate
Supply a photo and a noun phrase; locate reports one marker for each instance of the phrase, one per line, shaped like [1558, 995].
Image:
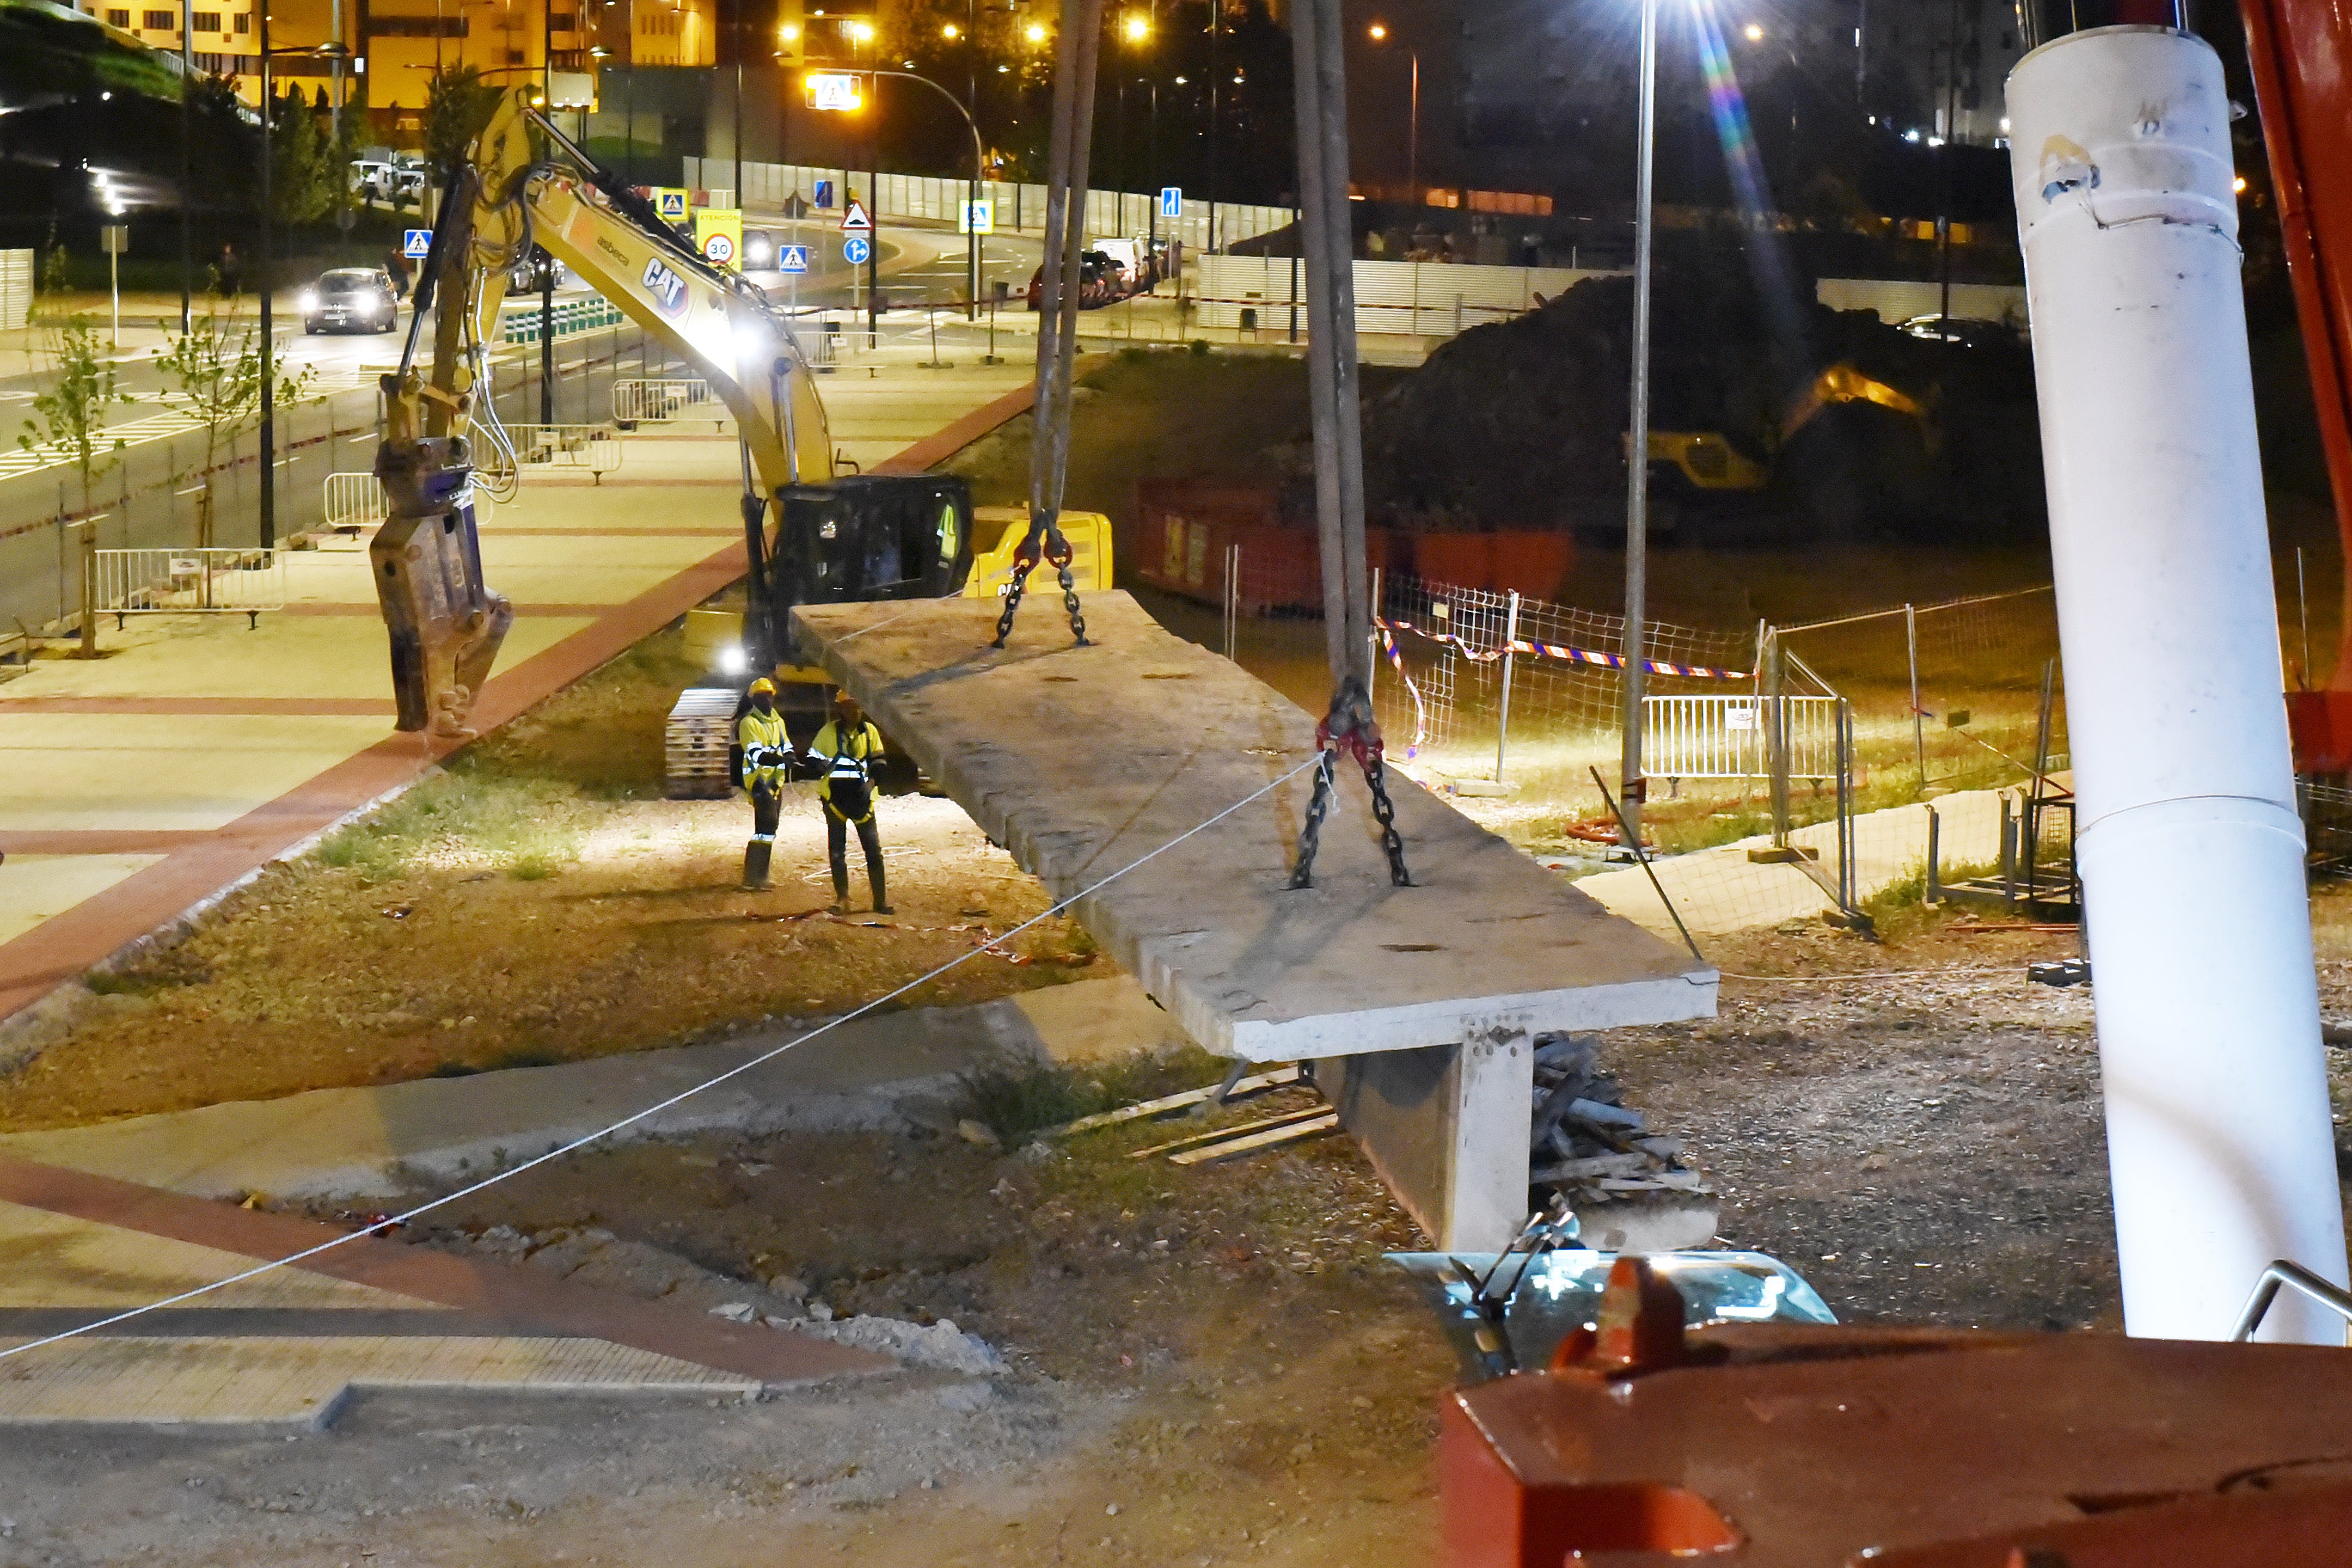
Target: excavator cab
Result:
[871, 536]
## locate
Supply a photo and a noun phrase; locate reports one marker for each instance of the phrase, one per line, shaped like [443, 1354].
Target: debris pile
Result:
[1586, 1144]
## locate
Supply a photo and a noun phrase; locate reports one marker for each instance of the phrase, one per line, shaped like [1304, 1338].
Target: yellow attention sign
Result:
[718, 235]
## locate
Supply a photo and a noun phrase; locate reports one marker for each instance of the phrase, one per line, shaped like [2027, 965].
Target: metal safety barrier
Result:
[596, 447]
[1710, 737]
[356, 503]
[658, 402]
[232, 580]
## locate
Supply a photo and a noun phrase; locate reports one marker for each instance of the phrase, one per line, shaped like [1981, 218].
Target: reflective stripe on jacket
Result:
[758, 729]
[845, 756]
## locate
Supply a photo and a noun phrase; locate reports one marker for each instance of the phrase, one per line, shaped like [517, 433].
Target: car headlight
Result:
[307, 301]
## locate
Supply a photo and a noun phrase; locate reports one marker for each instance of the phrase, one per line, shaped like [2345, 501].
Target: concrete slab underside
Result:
[1080, 759]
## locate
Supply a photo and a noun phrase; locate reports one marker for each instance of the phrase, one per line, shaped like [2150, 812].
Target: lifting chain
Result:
[1026, 557]
[1350, 727]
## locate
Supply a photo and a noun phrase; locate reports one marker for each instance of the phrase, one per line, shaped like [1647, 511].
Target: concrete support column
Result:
[2219, 1134]
[1447, 1127]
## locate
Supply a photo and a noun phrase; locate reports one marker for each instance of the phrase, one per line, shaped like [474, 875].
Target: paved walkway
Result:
[1719, 891]
[135, 787]
[95, 1220]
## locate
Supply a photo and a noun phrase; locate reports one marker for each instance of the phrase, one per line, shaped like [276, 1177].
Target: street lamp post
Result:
[1637, 446]
[268, 431]
[1379, 33]
[978, 168]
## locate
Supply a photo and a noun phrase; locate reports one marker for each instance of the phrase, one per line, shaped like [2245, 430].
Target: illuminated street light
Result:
[789, 32]
[1137, 27]
[862, 31]
[1379, 31]
[951, 32]
[1755, 32]
[1036, 32]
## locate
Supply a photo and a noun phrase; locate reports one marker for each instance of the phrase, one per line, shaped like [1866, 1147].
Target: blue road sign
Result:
[1171, 201]
[415, 243]
[857, 248]
[792, 258]
[824, 193]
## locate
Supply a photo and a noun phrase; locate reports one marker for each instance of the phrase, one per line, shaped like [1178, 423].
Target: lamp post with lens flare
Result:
[1379, 33]
[1637, 446]
[268, 434]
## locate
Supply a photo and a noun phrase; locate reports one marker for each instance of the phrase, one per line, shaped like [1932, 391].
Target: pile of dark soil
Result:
[1521, 423]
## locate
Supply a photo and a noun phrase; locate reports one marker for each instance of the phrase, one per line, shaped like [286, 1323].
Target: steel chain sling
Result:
[1350, 727]
[1057, 550]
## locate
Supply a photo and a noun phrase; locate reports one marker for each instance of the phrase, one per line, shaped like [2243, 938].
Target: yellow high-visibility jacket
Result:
[756, 729]
[846, 754]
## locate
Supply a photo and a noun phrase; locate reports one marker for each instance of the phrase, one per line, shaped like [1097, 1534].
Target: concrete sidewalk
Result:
[136, 787]
[98, 1219]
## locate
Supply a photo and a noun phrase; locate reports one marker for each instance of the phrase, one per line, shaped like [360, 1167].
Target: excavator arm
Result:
[445, 624]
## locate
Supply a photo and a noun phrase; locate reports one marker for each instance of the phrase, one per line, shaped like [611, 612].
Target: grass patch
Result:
[1901, 908]
[1014, 1098]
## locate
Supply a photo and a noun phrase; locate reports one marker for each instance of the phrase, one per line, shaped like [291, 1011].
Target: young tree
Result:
[215, 368]
[457, 105]
[73, 411]
[303, 178]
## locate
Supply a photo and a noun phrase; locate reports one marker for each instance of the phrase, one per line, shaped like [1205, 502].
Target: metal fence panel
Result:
[596, 447]
[187, 581]
[651, 400]
[1697, 736]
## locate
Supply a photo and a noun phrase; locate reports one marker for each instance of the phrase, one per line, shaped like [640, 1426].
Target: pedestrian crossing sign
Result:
[977, 217]
[855, 221]
[415, 243]
[792, 258]
[670, 204]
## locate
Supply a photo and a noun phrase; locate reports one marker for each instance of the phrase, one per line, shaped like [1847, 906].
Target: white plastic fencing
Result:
[1710, 737]
[1416, 298]
[188, 581]
[928, 196]
[596, 447]
[658, 402]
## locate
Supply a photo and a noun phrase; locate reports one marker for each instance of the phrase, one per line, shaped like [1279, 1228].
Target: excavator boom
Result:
[445, 624]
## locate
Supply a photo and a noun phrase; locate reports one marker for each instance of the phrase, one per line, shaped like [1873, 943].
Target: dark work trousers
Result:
[837, 843]
[767, 804]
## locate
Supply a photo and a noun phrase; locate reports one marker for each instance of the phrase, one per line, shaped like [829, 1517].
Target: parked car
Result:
[371, 178]
[535, 273]
[1108, 272]
[350, 299]
[1960, 330]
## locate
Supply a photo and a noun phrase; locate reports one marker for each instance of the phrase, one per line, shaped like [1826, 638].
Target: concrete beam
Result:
[1420, 1003]
[1079, 760]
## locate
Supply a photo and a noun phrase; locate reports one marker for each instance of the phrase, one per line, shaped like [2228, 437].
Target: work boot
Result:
[756, 855]
[881, 903]
[840, 905]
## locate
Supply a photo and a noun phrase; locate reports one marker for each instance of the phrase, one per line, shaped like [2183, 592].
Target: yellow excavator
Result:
[1708, 462]
[810, 534]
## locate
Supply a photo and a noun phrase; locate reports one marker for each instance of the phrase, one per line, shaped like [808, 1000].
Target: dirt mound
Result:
[1521, 423]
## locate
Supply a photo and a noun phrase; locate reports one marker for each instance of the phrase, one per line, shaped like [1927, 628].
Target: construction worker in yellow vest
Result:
[848, 749]
[767, 763]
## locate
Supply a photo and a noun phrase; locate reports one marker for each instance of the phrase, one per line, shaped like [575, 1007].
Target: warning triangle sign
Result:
[855, 220]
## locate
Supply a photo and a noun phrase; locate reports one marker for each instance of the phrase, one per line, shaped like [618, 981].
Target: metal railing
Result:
[658, 402]
[1728, 737]
[596, 447]
[356, 503]
[243, 580]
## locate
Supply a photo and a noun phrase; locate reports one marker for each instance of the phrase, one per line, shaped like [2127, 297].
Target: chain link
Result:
[1350, 727]
[1053, 547]
[1311, 835]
